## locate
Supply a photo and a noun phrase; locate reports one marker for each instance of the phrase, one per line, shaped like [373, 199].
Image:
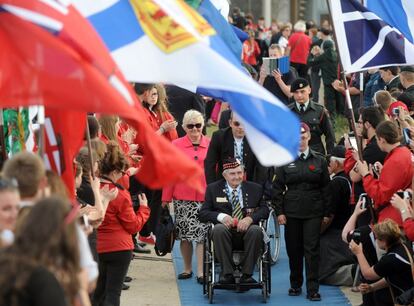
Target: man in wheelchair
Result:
[235, 207]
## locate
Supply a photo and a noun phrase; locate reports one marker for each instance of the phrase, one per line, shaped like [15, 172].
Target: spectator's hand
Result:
[358, 208]
[347, 143]
[143, 200]
[108, 194]
[355, 248]
[263, 73]
[85, 210]
[132, 171]
[337, 85]
[365, 288]
[378, 167]
[95, 183]
[399, 203]
[355, 155]
[169, 125]
[243, 224]
[227, 221]
[362, 168]
[281, 219]
[316, 50]
[326, 221]
[277, 75]
[133, 148]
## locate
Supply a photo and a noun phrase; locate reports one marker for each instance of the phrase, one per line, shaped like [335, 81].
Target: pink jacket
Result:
[198, 154]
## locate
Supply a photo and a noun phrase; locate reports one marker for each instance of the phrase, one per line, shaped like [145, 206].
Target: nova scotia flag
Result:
[367, 41]
[167, 41]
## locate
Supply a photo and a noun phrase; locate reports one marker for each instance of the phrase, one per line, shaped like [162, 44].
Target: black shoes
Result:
[185, 275]
[226, 279]
[314, 296]
[295, 291]
[200, 280]
[247, 279]
[140, 249]
[127, 279]
[125, 287]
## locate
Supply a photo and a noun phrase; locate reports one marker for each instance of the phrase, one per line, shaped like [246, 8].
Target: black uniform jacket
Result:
[222, 147]
[317, 118]
[216, 202]
[300, 188]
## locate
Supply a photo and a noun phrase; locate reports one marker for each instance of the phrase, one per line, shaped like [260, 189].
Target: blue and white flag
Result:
[366, 41]
[167, 41]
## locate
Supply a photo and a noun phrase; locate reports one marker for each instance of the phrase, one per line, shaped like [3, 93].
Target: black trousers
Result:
[226, 240]
[302, 70]
[113, 267]
[302, 240]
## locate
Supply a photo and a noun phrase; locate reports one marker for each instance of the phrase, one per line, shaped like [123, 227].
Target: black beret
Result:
[299, 83]
[407, 69]
[338, 151]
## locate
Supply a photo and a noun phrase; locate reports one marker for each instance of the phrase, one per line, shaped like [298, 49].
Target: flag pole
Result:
[41, 122]
[2, 138]
[89, 145]
[347, 94]
[361, 79]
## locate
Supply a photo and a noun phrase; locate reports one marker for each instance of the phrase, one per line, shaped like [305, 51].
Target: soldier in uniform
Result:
[300, 197]
[407, 81]
[314, 115]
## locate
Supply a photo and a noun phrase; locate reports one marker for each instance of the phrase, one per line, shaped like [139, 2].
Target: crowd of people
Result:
[340, 207]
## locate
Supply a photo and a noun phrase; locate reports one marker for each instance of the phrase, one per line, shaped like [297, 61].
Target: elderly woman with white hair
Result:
[186, 200]
[298, 48]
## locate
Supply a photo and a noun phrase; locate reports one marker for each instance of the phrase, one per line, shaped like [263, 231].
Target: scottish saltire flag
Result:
[365, 40]
[397, 13]
[167, 41]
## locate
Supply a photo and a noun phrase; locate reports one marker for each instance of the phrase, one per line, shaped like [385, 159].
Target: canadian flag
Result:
[64, 132]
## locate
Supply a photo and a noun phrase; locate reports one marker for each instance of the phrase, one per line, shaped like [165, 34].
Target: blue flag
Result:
[365, 40]
[167, 41]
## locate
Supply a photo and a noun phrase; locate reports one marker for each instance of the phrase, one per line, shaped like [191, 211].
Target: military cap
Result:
[407, 69]
[299, 83]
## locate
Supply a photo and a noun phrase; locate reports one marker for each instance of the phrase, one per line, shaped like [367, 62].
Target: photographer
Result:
[394, 268]
[365, 236]
[396, 174]
[404, 206]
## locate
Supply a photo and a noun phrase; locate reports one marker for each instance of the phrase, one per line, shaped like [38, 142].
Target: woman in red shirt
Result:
[298, 48]
[251, 50]
[187, 201]
[114, 243]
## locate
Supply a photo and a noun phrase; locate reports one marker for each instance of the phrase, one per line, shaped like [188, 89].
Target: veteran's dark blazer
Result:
[216, 202]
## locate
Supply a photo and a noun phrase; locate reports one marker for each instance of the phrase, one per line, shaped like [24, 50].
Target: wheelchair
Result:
[270, 247]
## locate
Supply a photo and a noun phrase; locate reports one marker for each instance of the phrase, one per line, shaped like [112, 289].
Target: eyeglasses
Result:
[236, 123]
[196, 125]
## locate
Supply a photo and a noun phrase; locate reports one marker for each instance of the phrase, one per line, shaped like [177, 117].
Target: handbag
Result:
[407, 297]
[164, 233]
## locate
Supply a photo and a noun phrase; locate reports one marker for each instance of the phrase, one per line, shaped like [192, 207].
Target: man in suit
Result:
[228, 143]
[235, 207]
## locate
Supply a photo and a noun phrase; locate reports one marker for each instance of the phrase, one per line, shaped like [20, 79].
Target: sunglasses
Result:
[191, 126]
[236, 123]
[8, 183]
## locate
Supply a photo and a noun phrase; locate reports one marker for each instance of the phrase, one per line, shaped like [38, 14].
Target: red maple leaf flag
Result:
[50, 55]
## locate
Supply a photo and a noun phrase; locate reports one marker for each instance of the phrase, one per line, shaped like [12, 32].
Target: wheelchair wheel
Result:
[207, 266]
[273, 232]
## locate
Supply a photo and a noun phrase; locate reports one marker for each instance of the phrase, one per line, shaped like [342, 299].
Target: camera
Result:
[366, 200]
[406, 137]
[405, 195]
[356, 236]
[395, 111]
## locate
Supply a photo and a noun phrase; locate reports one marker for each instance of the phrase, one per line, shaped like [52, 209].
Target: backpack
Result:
[164, 233]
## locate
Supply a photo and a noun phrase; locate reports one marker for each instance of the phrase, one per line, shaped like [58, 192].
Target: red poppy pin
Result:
[312, 167]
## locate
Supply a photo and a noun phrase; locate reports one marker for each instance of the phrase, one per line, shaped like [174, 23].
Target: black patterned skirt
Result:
[187, 225]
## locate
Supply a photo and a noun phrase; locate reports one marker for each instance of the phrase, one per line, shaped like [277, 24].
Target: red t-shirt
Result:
[299, 44]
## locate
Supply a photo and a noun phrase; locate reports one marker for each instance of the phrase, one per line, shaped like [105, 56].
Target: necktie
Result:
[302, 156]
[237, 212]
[302, 108]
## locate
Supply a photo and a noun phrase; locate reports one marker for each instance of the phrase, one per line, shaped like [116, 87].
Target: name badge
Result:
[221, 200]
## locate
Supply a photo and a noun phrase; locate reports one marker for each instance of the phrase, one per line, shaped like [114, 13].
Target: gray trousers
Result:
[226, 240]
